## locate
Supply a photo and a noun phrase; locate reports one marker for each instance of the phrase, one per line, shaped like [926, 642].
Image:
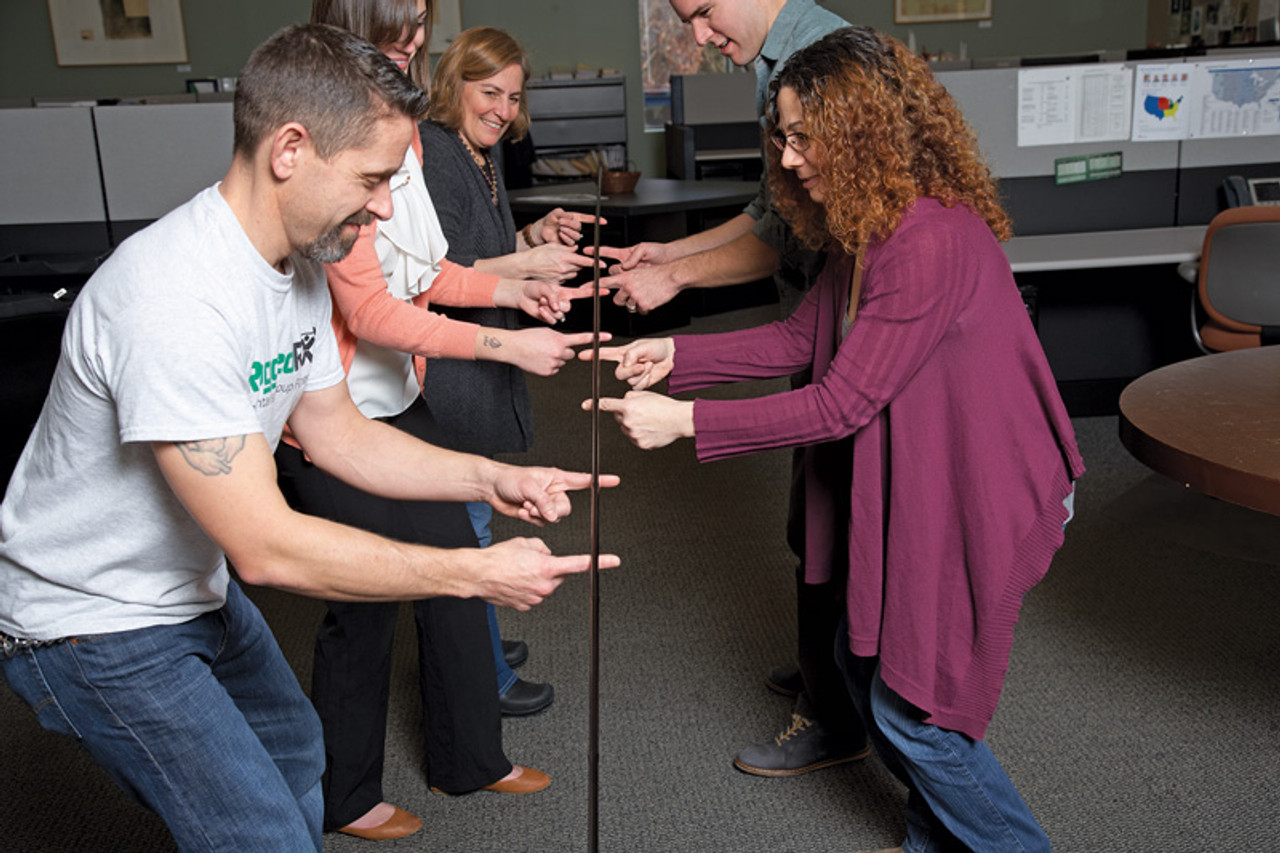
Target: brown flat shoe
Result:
[527, 782]
[400, 824]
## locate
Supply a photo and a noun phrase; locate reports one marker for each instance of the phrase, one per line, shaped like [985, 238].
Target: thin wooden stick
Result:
[593, 726]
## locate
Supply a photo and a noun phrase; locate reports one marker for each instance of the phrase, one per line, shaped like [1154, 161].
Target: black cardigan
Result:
[482, 405]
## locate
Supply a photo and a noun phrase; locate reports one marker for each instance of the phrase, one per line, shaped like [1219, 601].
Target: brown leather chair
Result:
[1239, 280]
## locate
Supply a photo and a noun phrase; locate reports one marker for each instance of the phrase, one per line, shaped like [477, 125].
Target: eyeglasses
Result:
[796, 141]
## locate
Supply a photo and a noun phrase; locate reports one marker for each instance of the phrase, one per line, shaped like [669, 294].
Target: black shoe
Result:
[515, 652]
[785, 680]
[804, 747]
[525, 698]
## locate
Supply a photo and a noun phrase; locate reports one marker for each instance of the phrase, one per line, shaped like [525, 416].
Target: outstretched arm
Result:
[376, 458]
[272, 545]
[278, 547]
[369, 311]
[745, 258]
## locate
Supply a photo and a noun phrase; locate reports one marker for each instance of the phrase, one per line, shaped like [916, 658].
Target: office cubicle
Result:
[76, 180]
[50, 186]
[1142, 196]
[155, 157]
[1161, 183]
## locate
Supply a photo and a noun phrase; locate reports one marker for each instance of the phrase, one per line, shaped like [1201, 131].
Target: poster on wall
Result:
[117, 32]
[1162, 102]
[927, 11]
[1066, 104]
[1238, 97]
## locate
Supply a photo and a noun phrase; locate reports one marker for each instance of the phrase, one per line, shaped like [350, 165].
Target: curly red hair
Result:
[887, 133]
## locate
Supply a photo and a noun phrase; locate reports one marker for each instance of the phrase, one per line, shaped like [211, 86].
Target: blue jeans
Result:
[481, 513]
[958, 796]
[203, 722]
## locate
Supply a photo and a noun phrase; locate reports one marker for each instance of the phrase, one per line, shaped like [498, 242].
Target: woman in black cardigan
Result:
[477, 100]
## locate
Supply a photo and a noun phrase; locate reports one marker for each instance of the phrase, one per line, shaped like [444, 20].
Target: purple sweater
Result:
[938, 452]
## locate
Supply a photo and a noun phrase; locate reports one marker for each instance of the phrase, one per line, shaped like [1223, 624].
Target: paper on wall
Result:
[1060, 105]
[1162, 102]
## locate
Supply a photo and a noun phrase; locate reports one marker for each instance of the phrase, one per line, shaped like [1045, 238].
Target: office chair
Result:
[1238, 281]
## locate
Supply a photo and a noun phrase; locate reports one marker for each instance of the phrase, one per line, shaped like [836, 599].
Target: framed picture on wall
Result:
[117, 32]
[928, 11]
[445, 26]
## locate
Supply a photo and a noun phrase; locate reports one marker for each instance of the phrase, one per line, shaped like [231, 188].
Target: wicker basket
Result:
[617, 182]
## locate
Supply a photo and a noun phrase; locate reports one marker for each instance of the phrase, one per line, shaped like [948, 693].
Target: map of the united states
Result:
[1161, 107]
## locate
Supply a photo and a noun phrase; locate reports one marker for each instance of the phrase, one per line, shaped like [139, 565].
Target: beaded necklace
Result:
[485, 163]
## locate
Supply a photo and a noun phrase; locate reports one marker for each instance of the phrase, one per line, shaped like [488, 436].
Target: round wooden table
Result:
[1212, 423]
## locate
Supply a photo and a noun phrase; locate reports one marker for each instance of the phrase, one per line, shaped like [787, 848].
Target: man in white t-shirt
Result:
[151, 465]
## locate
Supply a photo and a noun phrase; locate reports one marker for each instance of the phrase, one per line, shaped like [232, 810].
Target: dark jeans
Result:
[202, 721]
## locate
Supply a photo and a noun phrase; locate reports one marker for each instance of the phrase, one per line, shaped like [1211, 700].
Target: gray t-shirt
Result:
[185, 333]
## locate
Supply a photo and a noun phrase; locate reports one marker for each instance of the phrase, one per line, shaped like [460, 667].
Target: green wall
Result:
[220, 34]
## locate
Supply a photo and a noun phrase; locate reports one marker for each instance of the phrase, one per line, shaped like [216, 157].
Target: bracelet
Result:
[528, 235]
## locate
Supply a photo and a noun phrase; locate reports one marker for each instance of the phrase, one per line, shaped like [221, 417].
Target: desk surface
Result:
[1094, 249]
[1212, 423]
[652, 196]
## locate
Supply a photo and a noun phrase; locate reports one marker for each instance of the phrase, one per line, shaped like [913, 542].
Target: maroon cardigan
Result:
[938, 452]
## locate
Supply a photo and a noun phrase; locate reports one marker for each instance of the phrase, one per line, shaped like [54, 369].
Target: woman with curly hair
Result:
[939, 458]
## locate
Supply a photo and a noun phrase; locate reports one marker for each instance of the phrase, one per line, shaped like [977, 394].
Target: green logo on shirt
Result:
[266, 374]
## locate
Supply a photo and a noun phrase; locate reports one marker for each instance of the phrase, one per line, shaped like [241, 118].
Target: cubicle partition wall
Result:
[50, 186]
[1142, 196]
[155, 157]
[1160, 183]
[76, 180]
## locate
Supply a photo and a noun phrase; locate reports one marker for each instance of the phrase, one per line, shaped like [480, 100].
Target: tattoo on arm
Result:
[491, 342]
[212, 456]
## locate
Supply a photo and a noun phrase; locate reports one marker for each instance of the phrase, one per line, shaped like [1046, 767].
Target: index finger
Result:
[580, 338]
[611, 252]
[606, 353]
[577, 480]
[582, 291]
[581, 260]
[578, 563]
[584, 217]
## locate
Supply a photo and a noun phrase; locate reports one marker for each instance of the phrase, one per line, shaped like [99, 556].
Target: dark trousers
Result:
[819, 611]
[351, 675]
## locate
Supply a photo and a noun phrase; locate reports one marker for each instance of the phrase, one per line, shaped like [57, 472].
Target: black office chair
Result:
[1238, 282]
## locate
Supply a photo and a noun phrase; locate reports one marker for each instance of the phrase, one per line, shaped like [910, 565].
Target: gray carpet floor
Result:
[1140, 711]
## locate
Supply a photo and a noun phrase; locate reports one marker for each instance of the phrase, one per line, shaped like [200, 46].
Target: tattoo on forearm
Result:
[212, 456]
[491, 342]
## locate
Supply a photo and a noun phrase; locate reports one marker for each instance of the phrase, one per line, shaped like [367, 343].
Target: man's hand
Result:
[643, 288]
[539, 495]
[650, 420]
[642, 363]
[639, 255]
[520, 573]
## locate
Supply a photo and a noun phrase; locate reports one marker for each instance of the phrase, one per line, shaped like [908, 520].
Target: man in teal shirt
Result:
[825, 728]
